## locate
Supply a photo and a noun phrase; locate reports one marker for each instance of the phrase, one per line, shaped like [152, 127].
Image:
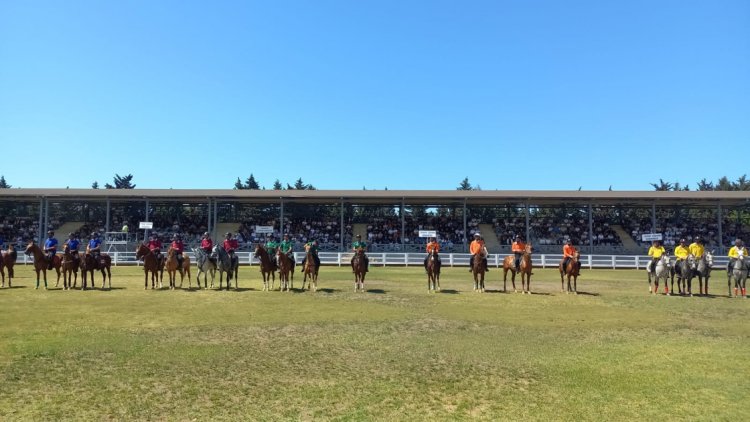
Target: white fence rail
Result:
[415, 259]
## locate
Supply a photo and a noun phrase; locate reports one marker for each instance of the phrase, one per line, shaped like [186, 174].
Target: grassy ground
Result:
[393, 353]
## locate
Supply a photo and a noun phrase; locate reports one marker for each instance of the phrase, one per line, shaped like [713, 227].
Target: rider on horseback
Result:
[271, 247]
[73, 244]
[655, 252]
[207, 245]
[569, 252]
[356, 246]
[696, 248]
[518, 247]
[432, 247]
[154, 245]
[95, 247]
[475, 248]
[681, 253]
[312, 247]
[50, 248]
[178, 247]
[734, 253]
[230, 244]
[286, 247]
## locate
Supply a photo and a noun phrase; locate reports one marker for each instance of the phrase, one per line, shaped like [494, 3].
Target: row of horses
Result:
[478, 270]
[218, 260]
[688, 269]
[65, 264]
[285, 267]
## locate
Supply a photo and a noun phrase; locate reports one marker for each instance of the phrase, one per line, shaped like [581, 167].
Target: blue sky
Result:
[398, 94]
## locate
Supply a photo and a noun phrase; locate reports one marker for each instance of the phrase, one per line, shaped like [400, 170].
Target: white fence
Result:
[416, 259]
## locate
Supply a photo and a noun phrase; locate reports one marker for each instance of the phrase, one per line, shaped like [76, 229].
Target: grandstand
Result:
[608, 222]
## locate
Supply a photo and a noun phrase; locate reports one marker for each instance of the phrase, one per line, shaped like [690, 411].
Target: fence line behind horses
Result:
[383, 259]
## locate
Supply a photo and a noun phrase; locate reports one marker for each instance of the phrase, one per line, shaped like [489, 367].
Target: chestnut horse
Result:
[360, 270]
[267, 268]
[150, 264]
[509, 264]
[103, 264]
[173, 267]
[478, 269]
[286, 275]
[41, 263]
[571, 270]
[8, 260]
[69, 268]
[433, 272]
[310, 271]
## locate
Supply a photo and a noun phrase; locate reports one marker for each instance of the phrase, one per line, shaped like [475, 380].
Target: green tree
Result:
[277, 185]
[251, 183]
[3, 183]
[121, 182]
[662, 186]
[238, 184]
[95, 185]
[465, 185]
[704, 185]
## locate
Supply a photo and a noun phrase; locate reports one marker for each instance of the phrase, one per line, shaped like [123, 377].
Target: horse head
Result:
[30, 248]
[140, 251]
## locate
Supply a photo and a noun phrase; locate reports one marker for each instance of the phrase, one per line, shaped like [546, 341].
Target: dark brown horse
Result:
[571, 270]
[267, 267]
[103, 263]
[478, 269]
[360, 270]
[310, 271]
[41, 263]
[433, 272]
[7, 261]
[286, 277]
[173, 267]
[150, 265]
[509, 264]
[70, 263]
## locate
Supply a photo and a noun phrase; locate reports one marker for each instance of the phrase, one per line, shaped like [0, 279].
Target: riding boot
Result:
[486, 267]
[471, 263]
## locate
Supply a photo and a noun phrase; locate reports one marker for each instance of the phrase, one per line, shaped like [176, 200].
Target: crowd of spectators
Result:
[18, 230]
[388, 231]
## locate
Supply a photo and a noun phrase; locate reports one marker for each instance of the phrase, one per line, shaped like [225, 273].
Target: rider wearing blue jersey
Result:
[50, 248]
[73, 244]
[95, 246]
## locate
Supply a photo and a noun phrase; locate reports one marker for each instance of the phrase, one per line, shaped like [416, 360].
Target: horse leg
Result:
[562, 282]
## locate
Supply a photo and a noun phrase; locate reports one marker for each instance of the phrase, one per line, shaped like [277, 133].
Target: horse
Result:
[478, 269]
[360, 270]
[433, 272]
[69, 267]
[739, 274]
[267, 267]
[311, 271]
[173, 267]
[8, 260]
[571, 270]
[703, 271]
[103, 264]
[205, 267]
[662, 272]
[286, 274]
[223, 264]
[683, 269]
[150, 265]
[509, 264]
[41, 263]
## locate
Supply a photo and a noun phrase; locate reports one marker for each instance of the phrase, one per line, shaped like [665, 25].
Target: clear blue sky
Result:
[399, 94]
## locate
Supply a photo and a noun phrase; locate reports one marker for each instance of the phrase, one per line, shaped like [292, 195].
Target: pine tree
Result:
[3, 183]
[277, 185]
[121, 182]
[465, 185]
[95, 185]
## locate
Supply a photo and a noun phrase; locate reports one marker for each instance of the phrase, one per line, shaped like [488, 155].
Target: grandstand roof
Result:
[421, 197]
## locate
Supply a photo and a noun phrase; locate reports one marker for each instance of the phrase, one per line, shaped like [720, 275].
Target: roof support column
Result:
[403, 223]
[145, 232]
[341, 227]
[719, 215]
[106, 223]
[591, 229]
[208, 217]
[653, 217]
[40, 234]
[466, 234]
[46, 216]
[281, 217]
[528, 229]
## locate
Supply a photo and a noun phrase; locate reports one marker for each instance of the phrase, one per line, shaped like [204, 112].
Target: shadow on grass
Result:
[588, 293]
[449, 291]
[13, 287]
[376, 291]
[327, 290]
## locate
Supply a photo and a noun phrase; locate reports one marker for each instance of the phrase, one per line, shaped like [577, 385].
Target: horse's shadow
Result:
[13, 287]
[327, 290]
[588, 294]
[245, 289]
[376, 291]
[449, 291]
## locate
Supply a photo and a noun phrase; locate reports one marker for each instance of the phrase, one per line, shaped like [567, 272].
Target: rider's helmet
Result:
[683, 240]
[286, 236]
[477, 235]
[738, 242]
[228, 235]
[71, 235]
[359, 236]
[50, 232]
[518, 237]
[175, 236]
[95, 234]
[205, 234]
[568, 241]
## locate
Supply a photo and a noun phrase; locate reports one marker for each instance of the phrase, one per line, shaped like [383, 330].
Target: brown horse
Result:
[571, 270]
[41, 263]
[285, 270]
[509, 264]
[8, 260]
[478, 269]
[150, 265]
[173, 267]
[69, 267]
[267, 267]
[360, 270]
[103, 263]
[310, 271]
[433, 272]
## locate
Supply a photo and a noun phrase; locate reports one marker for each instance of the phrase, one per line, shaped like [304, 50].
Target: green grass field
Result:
[394, 353]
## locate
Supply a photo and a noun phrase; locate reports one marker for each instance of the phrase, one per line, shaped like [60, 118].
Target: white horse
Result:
[739, 275]
[662, 272]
